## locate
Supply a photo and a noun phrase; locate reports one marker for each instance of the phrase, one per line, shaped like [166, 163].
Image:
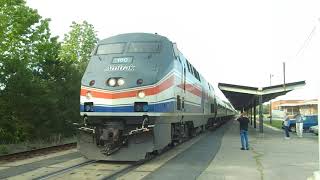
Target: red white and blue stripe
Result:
[160, 96]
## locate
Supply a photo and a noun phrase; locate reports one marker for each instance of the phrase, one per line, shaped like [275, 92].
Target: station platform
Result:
[214, 154]
[270, 156]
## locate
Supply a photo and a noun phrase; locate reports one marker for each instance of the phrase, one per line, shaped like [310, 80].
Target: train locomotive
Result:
[139, 94]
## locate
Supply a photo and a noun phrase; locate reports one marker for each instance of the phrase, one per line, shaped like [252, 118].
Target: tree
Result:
[75, 54]
[78, 44]
[26, 47]
[266, 108]
[39, 78]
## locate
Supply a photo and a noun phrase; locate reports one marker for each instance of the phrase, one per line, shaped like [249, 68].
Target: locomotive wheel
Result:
[193, 132]
[203, 128]
[149, 155]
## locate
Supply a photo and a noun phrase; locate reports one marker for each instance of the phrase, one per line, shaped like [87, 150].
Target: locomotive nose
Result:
[124, 76]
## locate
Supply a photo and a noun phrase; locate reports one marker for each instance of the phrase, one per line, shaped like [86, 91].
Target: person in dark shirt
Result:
[244, 121]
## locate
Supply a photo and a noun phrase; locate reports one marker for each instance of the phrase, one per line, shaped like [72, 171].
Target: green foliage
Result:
[75, 54]
[266, 109]
[39, 77]
[78, 44]
[3, 149]
[275, 123]
[25, 45]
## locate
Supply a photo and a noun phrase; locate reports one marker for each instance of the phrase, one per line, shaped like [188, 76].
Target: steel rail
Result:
[63, 171]
[44, 150]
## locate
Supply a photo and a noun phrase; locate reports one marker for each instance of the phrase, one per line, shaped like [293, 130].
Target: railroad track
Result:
[106, 170]
[83, 169]
[63, 171]
[113, 169]
[37, 152]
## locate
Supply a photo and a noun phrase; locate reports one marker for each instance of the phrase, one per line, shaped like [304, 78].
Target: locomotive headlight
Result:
[88, 95]
[120, 81]
[141, 94]
[111, 82]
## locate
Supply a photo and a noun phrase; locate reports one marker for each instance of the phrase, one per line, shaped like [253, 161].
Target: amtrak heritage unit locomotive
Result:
[139, 94]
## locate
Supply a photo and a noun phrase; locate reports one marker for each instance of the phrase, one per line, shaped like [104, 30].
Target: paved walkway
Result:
[271, 157]
[189, 164]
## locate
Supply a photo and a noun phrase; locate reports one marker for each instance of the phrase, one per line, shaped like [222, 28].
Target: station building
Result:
[306, 107]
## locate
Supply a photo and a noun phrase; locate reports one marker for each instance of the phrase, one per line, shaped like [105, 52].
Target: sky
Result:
[229, 41]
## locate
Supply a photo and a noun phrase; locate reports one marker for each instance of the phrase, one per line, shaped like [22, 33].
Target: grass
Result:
[3, 149]
[35, 144]
[275, 123]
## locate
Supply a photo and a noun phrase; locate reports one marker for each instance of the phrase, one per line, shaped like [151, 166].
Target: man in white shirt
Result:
[299, 124]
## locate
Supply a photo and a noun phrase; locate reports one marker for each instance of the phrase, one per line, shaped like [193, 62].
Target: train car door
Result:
[215, 106]
[180, 91]
[184, 86]
[205, 96]
[183, 92]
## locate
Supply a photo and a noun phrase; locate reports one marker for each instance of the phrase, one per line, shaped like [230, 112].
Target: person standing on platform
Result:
[286, 124]
[299, 124]
[244, 121]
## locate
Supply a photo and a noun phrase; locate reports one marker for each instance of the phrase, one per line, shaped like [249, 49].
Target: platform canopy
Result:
[245, 97]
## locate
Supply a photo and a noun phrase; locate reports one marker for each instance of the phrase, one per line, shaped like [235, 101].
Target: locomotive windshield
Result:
[134, 47]
[144, 47]
[116, 48]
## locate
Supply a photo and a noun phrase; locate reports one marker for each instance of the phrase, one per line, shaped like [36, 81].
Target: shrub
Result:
[3, 149]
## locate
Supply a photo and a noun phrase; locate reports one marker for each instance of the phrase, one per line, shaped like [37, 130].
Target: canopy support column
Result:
[260, 115]
[254, 114]
[251, 113]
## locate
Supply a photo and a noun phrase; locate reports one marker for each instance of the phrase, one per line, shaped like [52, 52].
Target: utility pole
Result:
[284, 76]
[271, 75]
